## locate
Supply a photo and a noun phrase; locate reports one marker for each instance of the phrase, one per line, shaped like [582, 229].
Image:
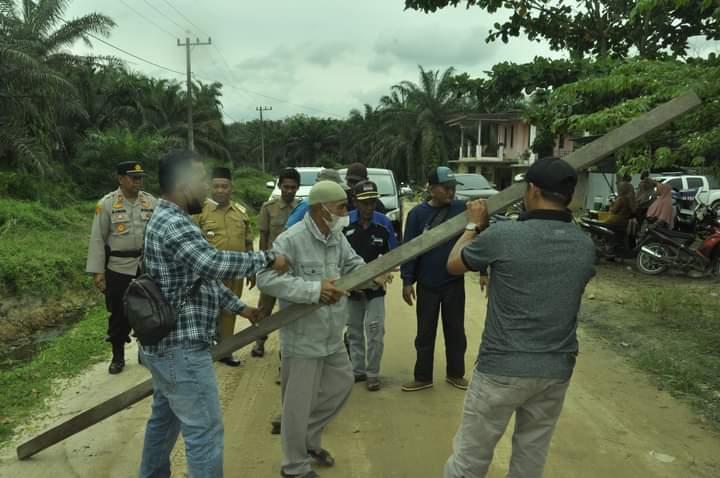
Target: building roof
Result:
[472, 118]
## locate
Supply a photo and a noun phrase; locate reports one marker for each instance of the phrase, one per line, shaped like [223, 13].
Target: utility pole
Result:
[262, 133]
[187, 45]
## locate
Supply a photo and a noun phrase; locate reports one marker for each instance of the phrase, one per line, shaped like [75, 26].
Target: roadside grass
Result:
[43, 250]
[668, 327]
[26, 388]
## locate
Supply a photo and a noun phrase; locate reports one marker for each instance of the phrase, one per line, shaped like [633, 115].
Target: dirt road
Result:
[615, 423]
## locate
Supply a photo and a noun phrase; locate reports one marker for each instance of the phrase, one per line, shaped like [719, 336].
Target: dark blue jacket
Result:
[429, 269]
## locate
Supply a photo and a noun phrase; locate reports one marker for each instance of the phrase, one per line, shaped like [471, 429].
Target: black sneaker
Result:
[360, 377]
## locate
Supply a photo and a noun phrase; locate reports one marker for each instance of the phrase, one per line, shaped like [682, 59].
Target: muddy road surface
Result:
[615, 423]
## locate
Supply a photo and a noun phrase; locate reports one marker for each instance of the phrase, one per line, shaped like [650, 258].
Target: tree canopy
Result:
[654, 28]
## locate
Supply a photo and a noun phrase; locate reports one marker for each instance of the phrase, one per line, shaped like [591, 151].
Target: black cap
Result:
[221, 173]
[356, 172]
[443, 175]
[365, 190]
[553, 175]
[130, 168]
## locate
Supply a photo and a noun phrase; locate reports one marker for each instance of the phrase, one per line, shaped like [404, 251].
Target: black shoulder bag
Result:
[150, 315]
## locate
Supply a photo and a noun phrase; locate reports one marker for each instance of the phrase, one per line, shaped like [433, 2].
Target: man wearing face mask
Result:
[316, 373]
[189, 273]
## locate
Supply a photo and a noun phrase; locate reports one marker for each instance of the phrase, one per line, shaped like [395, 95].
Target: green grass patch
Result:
[668, 327]
[26, 387]
[249, 187]
[43, 250]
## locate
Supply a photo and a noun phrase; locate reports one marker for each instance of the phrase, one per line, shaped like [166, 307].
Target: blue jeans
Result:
[185, 399]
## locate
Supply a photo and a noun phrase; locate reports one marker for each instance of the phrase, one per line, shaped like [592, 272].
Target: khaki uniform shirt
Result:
[120, 225]
[273, 217]
[227, 229]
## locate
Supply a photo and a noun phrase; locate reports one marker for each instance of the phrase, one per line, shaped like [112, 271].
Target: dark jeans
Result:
[450, 301]
[115, 286]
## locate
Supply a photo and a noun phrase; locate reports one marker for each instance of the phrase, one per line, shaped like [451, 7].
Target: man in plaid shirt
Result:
[185, 394]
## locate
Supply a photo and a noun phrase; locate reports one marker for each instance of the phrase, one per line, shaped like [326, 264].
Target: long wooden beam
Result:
[580, 160]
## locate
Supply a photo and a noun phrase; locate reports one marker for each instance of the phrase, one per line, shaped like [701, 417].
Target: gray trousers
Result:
[366, 326]
[313, 390]
[490, 402]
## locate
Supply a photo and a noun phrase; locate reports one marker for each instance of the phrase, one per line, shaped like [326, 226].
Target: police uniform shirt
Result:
[273, 216]
[119, 224]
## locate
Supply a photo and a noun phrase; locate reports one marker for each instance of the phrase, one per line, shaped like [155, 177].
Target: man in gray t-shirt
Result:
[539, 267]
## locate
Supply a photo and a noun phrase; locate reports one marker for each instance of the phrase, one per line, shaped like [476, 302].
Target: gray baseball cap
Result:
[328, 174]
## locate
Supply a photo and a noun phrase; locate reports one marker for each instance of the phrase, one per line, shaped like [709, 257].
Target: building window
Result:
[505, 131]
[512, 136]
[472, 169]
[561, 141]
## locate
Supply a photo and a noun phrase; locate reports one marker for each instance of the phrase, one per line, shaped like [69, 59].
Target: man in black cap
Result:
[115, 250]
[226, 226]
[539, 267]
[357, 172]
[437, 291]
[371, 235]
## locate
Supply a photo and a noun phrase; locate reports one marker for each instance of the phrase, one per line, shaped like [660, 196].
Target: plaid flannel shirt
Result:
[176, 254]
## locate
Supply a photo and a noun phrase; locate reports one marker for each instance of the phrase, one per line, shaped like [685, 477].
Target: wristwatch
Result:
[471, 226]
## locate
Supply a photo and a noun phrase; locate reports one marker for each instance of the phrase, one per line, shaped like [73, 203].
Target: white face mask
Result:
[336, 223]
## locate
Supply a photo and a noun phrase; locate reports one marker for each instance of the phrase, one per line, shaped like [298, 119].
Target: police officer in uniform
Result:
[226, 226]
[115, 250]
[271, 222]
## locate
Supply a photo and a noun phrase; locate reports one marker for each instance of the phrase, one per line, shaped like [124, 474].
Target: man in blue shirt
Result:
[436, 289]
[370, 239]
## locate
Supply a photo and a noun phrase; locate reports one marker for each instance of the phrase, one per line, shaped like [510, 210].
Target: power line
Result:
[134, 55]
[162, 14]
[199, 30]
[147, 19]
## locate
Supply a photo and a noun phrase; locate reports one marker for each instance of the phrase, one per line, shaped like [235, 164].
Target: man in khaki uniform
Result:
[115, 250]
[227, 227]
[271, 222]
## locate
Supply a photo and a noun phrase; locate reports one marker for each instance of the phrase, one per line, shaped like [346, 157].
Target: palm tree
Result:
[414, 133]
[35, 99]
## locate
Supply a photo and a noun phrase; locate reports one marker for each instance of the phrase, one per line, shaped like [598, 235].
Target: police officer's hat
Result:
[130, 168]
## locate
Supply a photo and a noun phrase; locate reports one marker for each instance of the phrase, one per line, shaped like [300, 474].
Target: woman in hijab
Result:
[662, 208]
[623, 208]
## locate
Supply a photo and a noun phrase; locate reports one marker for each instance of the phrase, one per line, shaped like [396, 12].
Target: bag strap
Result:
[438, 218]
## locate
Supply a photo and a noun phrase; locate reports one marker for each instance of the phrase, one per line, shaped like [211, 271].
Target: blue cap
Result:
[443, 175]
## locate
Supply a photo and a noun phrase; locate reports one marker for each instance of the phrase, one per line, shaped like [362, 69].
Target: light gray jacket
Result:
[313, 258]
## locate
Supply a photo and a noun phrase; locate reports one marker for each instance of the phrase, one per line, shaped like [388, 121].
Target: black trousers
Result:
[115, 286]
[449, 301]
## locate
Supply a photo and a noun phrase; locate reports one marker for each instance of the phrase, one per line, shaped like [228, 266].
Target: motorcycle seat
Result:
[684, 237]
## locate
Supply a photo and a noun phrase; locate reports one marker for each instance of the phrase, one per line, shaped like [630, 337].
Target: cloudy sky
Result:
[317, 57]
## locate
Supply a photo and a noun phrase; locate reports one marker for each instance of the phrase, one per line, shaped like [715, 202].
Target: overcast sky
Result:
[317, 57]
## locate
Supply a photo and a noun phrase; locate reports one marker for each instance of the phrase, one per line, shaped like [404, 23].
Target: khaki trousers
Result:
[490, 402]
[226, 325]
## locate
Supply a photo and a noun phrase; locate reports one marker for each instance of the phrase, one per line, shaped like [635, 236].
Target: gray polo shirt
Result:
[539, 267]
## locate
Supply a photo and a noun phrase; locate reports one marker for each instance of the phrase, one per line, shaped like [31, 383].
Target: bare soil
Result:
[616, 423]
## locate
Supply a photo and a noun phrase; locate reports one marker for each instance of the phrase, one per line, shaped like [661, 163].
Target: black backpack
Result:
[150, 315]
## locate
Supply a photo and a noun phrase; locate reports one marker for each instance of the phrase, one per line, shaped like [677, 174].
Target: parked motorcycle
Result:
[696, 253]
[611, 242]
